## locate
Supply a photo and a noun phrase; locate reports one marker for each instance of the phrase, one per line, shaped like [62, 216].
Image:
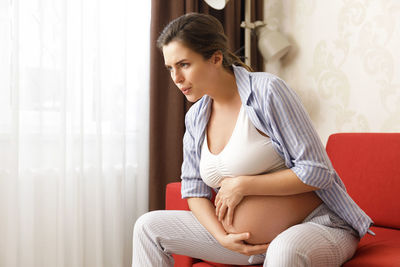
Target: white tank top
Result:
[247, 153]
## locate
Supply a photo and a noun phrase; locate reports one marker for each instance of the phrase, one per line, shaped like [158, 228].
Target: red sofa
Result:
[368, 164]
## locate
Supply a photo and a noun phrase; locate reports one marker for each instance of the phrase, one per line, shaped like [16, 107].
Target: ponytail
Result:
[232, 59]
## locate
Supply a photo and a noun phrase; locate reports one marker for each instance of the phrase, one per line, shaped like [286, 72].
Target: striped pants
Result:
[323, 239]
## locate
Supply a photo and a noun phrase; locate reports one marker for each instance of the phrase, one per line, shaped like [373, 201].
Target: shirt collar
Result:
[243, 82]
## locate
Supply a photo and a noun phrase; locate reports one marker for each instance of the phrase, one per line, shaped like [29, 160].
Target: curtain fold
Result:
[257, 13]
[167, 105]
[74, 96]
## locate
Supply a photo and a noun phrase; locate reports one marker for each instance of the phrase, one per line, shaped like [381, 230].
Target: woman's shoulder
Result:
[261, 82]
[266, 87]
[266, 80]
[258, 75]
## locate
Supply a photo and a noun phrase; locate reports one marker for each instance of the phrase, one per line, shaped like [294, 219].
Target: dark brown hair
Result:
[203, 34]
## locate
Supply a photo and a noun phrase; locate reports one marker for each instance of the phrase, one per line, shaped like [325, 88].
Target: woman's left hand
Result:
[228, 197]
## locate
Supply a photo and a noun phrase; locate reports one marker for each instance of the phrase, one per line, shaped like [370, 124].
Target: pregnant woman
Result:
[279, 201]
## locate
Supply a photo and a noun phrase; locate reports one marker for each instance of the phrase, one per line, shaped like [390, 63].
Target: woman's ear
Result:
[217, 58]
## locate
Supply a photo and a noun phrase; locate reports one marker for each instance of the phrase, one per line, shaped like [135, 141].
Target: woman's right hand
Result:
[204, 211]
[236, 242]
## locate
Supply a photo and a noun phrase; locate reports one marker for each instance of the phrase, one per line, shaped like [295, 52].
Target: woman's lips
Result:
[186, 90]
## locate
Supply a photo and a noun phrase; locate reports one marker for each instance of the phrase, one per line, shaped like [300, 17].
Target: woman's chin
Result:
[191, 99]
[193, 96]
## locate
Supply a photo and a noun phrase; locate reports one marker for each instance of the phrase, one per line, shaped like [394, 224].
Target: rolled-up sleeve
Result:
[296, 137]
[192, 184]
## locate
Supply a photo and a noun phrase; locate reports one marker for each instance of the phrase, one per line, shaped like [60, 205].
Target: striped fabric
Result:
[275, 110]
[322, 239]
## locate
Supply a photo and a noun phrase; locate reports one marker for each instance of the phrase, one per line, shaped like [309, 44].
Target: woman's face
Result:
[191, 73]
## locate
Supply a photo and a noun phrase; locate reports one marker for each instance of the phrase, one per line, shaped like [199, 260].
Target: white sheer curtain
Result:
[73, 130]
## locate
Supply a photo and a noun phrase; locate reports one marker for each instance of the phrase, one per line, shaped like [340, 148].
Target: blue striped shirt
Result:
[275, 110]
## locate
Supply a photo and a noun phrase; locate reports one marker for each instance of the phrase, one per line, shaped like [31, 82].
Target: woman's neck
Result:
[225, 92]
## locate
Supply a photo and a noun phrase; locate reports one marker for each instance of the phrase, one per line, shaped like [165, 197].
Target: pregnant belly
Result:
[264, 217]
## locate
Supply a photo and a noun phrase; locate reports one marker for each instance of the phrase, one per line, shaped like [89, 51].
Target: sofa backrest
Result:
[369, 165]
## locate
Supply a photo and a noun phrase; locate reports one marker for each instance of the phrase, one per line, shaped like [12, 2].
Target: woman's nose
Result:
[177, 77]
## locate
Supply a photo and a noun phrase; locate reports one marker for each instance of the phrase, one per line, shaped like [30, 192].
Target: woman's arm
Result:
[280, 183]
[293, 134]
[204, 211]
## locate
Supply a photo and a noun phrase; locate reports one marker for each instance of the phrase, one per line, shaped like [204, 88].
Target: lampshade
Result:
[217, 4]
[272, 44]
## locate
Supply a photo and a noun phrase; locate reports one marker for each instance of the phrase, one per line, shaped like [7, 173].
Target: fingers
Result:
[217, 207]
[220, 208]
[217, 204]
[247, 249]
[240, 237]
[229, 216]
[216, 201]
[222, 212]
[225, 207]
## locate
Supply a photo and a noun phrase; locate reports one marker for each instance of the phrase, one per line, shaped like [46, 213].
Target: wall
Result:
[345, 61]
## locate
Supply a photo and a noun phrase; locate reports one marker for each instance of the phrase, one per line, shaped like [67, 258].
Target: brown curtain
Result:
[167, 105]
[257, 13]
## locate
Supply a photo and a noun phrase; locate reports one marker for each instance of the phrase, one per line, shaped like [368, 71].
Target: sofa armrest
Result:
[173, 197]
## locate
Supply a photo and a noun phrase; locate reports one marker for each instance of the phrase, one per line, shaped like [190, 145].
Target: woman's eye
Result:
[184, 65]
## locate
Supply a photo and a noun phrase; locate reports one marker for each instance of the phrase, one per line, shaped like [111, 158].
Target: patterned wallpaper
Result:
[344, 63]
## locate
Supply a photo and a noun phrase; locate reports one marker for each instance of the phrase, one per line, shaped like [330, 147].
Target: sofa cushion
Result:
[202, 264]
[380, 250]
[368, 165]
[212, 264]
